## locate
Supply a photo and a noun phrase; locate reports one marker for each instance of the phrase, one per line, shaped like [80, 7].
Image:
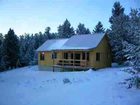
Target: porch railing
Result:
[71, 62]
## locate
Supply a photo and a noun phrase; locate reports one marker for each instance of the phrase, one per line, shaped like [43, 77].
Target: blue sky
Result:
[31, 16]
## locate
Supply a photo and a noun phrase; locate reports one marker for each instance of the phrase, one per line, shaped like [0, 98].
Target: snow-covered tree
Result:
[132, 47]
[132, 43]
[65, 30]
[41, 38]
[47, 33]
[1, 38]
[81, 29]
[2, 63]
[27, 50]
[118, 33]
[11, 49]
[99, 28]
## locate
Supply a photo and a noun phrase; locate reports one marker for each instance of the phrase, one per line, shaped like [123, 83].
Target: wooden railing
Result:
[71, 62]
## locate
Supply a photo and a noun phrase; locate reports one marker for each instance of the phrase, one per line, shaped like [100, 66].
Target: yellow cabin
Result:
[77, 52]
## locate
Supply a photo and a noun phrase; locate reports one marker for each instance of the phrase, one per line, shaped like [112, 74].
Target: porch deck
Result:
[71, 67]
[72, 63]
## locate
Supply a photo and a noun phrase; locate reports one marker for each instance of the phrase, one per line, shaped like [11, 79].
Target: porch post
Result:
[62, 60]
[73, 60]
[81, 59]
[86, 59]
[53, 59]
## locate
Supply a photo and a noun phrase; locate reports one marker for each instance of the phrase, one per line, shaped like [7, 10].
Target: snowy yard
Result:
[28, 86]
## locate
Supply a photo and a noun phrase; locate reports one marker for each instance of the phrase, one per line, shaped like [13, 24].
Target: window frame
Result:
[42, 56]
[98, 56]
[54, 55]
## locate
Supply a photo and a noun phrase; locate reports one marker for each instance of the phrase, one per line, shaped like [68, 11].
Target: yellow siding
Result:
[105, 55]
[48, 59]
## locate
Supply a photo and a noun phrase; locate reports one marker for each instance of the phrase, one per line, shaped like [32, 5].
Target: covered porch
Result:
[71, 59]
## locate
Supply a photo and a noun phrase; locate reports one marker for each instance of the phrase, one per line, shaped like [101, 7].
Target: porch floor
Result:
[72, 67]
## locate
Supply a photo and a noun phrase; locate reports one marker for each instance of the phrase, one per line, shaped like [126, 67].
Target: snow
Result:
[87, 41]
[28, 86]
[74, 48]
[52, 44]
[115, 65]
[76, 42]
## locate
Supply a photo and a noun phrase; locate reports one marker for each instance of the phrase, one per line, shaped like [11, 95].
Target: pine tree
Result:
[99, 28]
[27, 49]
[29, 43]
[65, 30]
[47, 33]
[88, 31]
[132, 43]
[118, 32]
[2, 65]
[1, 38]
[81, 29]
[131, 48]
[117, 10]
[11, 49]
[22, 50]
[42, 38]
[37, 40]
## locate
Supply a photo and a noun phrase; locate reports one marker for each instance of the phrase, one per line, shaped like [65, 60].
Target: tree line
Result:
[124, 37]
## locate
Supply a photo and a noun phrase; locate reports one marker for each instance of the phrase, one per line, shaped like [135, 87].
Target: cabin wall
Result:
[105, 55]
[48, 59]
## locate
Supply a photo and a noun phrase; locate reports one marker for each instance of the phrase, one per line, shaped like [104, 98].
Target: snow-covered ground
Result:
[28, 86]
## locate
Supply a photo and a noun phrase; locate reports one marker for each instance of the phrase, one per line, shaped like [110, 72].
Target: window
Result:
[42, 56]
[97, 56]
[54, 55]
[65, 55]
